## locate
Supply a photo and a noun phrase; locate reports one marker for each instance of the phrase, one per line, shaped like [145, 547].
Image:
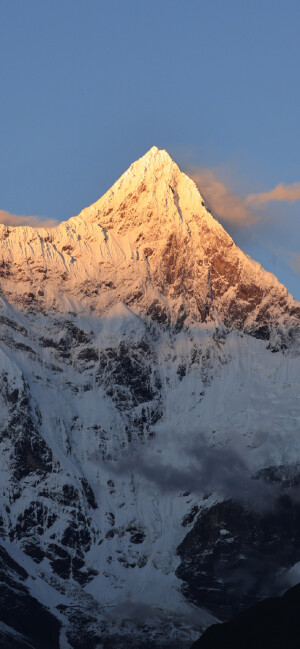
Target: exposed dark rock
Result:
[263, 332]
[60, 560]
[12, 324]
[188, 518]
[77, 335]
[137, 534]
[21, 612]
[80, 572]
[76, 536]
[127, 376]
[157, 313]
[25, 348]
[231, 556]
[34, 550]
[34, 518]
[88, 354]
[181, 371]
[89, 494]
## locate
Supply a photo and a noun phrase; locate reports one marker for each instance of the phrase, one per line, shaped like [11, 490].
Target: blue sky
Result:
[89, 86]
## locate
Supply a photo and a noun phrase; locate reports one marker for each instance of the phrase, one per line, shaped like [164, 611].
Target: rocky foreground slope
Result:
[149, 420]
[270, 624]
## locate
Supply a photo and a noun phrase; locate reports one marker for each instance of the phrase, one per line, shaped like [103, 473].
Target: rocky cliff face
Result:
[147, 428]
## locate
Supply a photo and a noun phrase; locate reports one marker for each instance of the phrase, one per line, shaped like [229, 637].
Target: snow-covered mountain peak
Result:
[153, 184]
[150, 243]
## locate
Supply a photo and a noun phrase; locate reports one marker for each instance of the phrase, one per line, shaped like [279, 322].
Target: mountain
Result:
[150, 455]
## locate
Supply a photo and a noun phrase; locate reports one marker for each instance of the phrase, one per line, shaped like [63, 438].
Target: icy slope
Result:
[139, 392]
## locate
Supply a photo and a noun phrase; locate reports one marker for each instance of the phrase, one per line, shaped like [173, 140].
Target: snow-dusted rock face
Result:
[146, 424]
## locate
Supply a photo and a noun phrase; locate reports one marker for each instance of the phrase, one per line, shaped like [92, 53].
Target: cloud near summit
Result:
[282, 193]
[14, 220]
[223, 202]
[235, 210]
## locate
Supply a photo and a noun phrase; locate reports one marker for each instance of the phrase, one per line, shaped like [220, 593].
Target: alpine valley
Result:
[149, 423]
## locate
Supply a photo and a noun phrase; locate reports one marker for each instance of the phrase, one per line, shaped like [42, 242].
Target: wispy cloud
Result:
[234, 209]
[14, 220]
[223, 202]
[294, 261]
[289, 257]
[280, 193]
